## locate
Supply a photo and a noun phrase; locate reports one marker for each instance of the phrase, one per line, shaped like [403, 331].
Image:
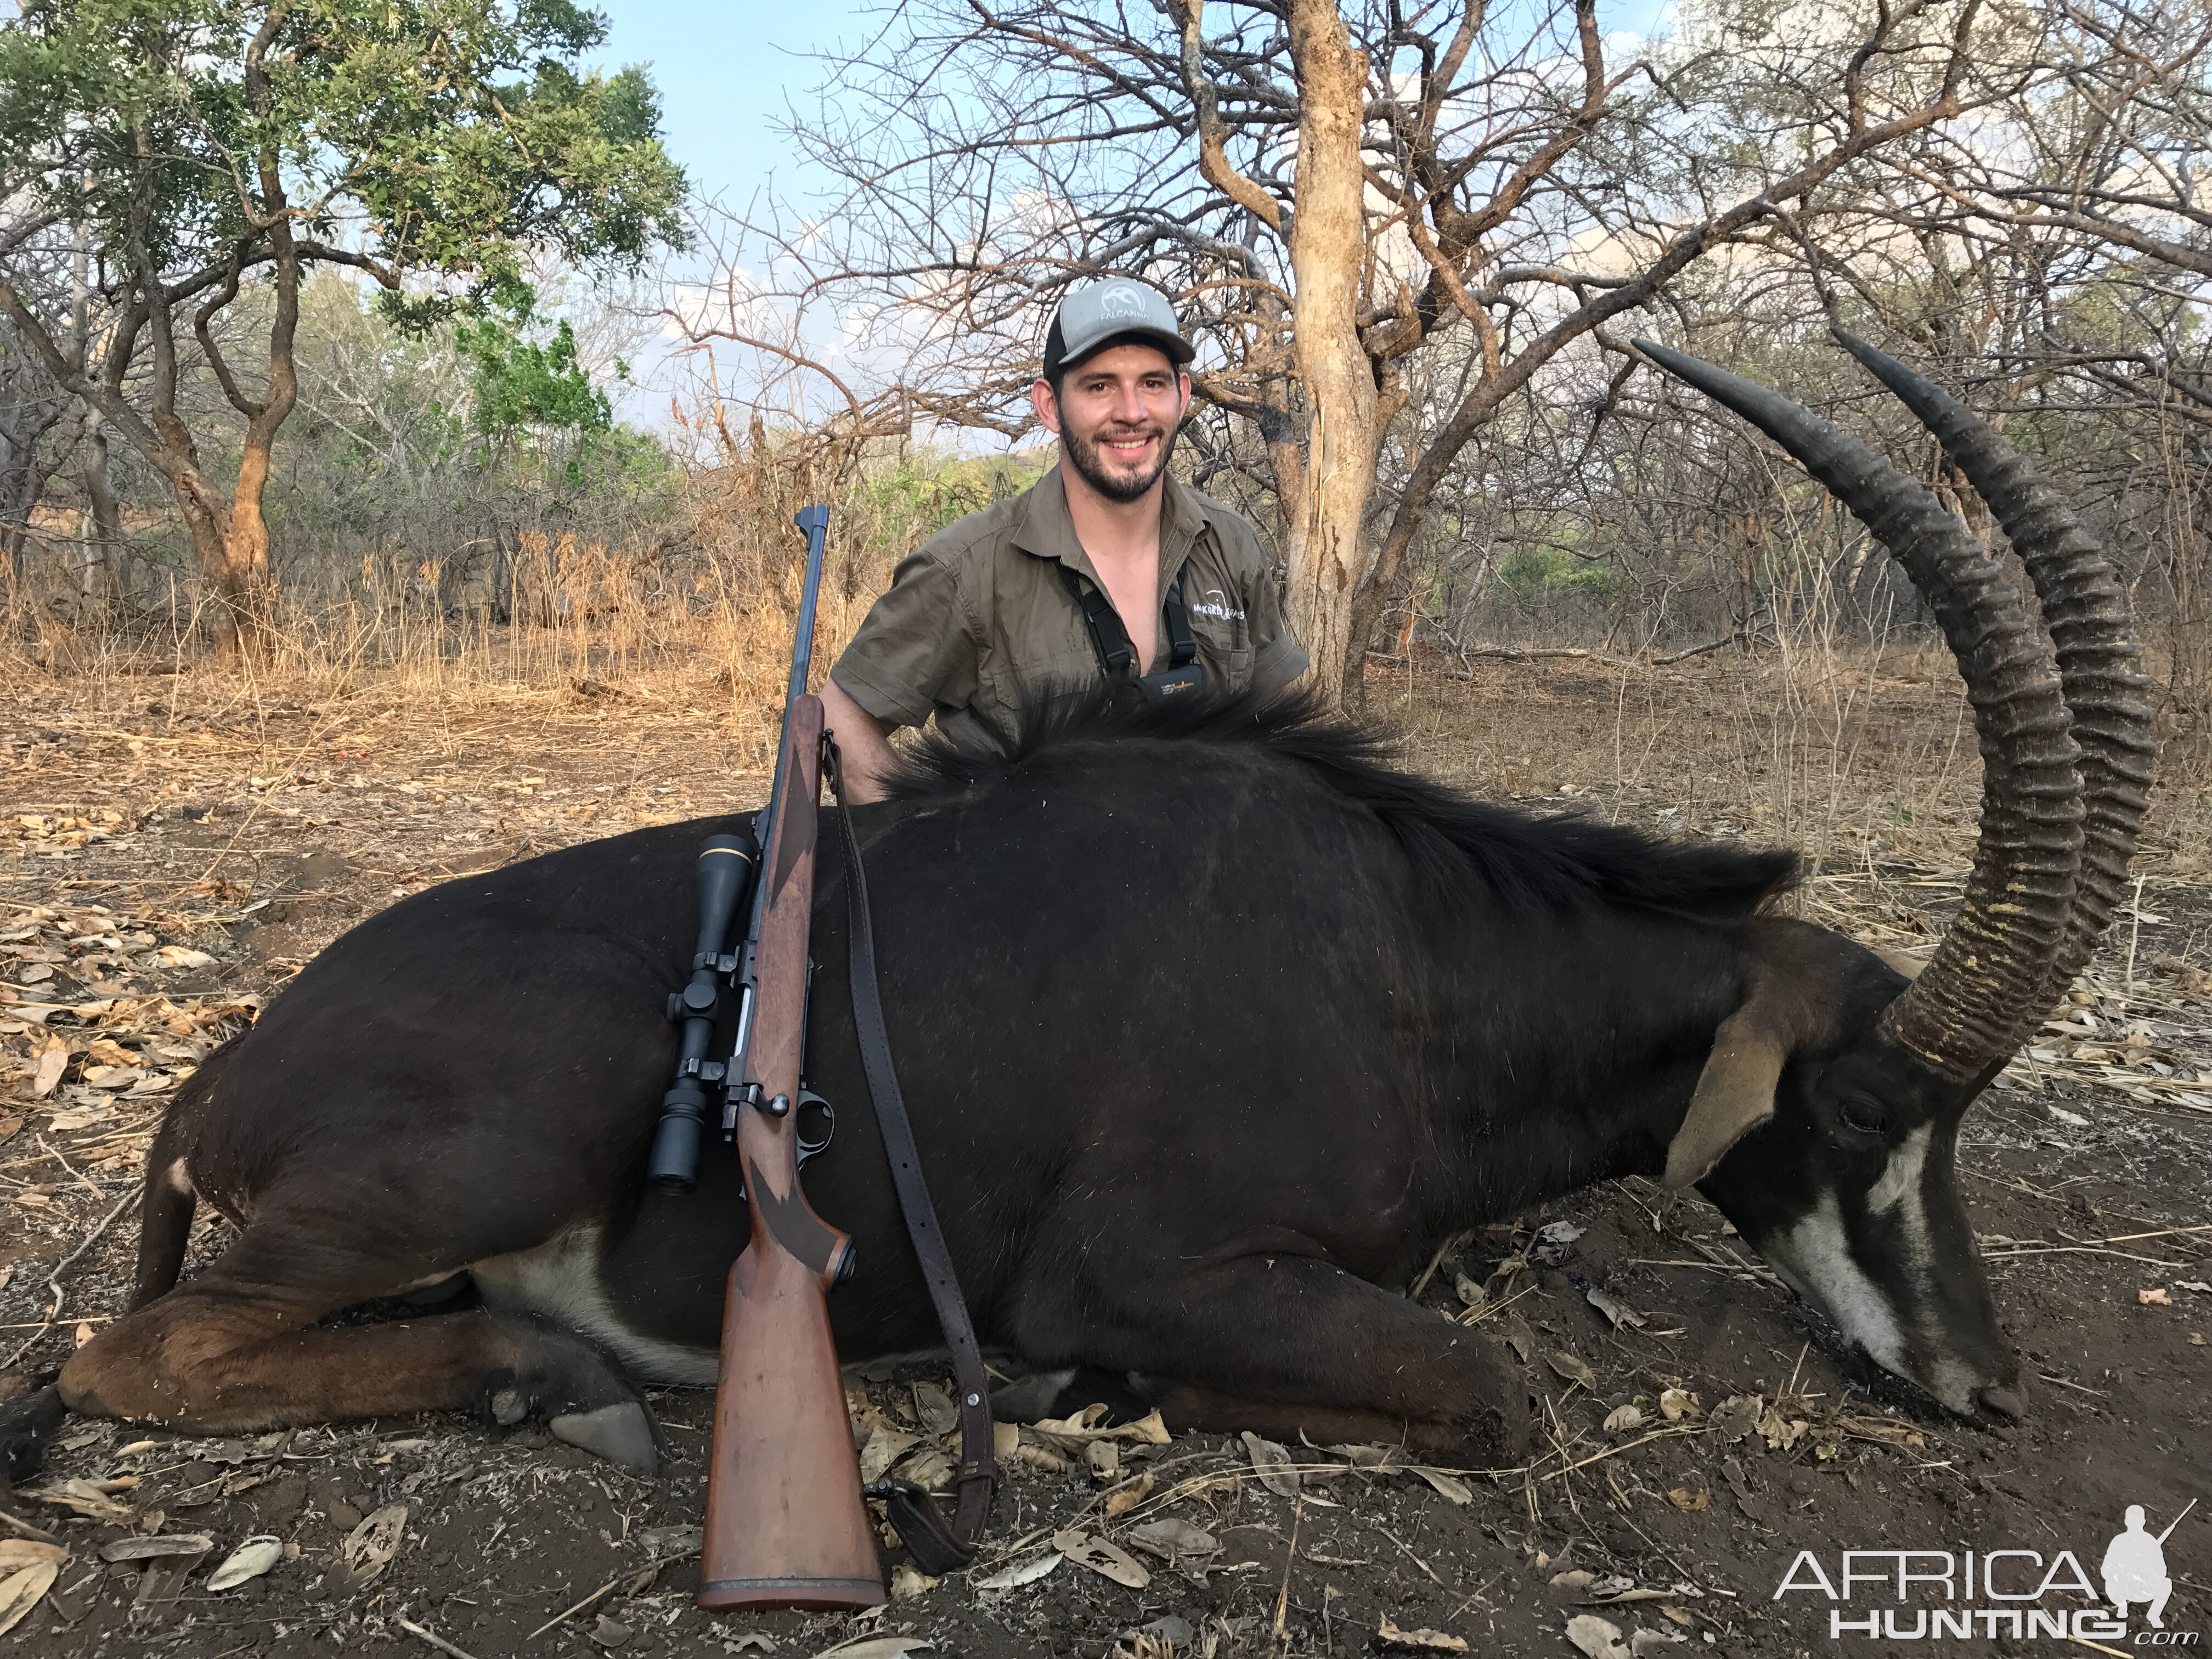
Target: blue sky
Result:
[725, 70]
[729, 72]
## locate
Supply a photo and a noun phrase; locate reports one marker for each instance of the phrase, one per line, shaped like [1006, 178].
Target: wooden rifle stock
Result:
[786, 1523]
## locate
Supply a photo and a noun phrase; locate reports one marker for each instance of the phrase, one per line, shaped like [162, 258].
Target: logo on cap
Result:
[1122, 300]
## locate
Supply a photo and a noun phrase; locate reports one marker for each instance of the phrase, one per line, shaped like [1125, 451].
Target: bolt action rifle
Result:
[786, 1523]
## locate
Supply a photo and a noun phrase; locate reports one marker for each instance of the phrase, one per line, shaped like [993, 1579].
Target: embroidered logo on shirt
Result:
[1216, 604]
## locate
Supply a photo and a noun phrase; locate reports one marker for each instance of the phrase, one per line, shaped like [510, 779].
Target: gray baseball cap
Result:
[1105, 313]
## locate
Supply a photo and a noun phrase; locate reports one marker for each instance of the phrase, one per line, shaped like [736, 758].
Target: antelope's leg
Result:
[1281, 1345]
[232, 1351]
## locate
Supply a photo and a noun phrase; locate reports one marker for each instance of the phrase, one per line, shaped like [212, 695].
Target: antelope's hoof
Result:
[622, 1433]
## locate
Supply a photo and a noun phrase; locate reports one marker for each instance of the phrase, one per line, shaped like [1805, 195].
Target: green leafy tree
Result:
[202, 147]
[519, 385]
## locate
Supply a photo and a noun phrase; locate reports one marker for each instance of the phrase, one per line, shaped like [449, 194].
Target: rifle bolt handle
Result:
[778, 1106]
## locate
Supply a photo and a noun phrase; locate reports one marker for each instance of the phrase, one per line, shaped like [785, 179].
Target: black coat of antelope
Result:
[1213, 1027]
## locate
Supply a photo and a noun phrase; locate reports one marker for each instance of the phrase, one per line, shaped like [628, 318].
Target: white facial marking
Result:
[1901, 1178]
[1815, 1257]
[1899, 1191]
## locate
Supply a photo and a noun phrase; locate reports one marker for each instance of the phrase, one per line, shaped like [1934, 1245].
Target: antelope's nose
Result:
[2004, 1403]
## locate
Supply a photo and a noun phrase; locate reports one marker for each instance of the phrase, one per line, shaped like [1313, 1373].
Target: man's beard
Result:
[1083, 455]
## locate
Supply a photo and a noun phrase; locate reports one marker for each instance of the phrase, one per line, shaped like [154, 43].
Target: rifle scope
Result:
[727, 865]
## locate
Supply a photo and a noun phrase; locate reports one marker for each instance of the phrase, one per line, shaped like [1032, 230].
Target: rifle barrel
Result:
[2177, 1520]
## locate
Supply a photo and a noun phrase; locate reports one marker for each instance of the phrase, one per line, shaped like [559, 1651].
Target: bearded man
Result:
[1106, 572]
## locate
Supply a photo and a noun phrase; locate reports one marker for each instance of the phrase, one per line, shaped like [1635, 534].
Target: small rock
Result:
[611, 1632]
[1803, 1484]
[343, 1516]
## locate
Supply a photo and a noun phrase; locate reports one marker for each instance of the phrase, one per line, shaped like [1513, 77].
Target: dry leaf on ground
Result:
[884, 1448]
[153, 1549]
[1737, 1416]
[879, 1647]
[1623, 1419]
[1573, 1369]
[1597, 1638]
[16, 1553]
[249, 1560]
[1781, 1432]
[2154, 1298]
[1026, 1572]
[369, 1547]
[932, 1470]
[1688, 1501]
[1417, 1641]
[1618, 1312]
[907, 1581]
[20, 1591]
[1130, 1493]
[1448, 1487]
[83, 1495]
[1675, 1404]
[1101, 1558]
[1169, 1538]
[1272, 1463]
[53, 1060]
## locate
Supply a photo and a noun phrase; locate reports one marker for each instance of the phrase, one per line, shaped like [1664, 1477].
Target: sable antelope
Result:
[1213, 1027]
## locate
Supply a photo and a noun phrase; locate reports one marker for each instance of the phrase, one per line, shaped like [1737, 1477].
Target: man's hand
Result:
[863, 741]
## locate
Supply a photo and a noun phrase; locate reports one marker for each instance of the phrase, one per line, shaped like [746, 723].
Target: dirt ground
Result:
[171, 849]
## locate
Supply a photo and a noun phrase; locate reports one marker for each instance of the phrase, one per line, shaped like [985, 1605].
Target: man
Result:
[1105, 570]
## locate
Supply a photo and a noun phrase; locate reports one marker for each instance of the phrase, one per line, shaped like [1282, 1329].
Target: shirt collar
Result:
[1047, 530]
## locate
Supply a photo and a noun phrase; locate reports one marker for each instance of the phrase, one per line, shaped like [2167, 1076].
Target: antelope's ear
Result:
[1735, 1092]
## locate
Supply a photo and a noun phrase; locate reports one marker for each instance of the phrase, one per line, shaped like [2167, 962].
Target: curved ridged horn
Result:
[1985, 985]
[2094, 628]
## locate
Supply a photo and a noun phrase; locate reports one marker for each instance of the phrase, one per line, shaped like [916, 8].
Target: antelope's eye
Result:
[1862, 1117]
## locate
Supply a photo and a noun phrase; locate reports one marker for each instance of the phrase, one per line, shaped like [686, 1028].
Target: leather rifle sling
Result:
[939, 1547]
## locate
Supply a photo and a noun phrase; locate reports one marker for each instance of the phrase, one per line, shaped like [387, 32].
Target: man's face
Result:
[1116, 417]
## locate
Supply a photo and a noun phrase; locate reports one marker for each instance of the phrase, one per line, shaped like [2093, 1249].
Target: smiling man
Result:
[1105, 571]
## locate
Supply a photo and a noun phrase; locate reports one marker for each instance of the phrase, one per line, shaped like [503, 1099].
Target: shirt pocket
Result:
[1225, 646]
[1032, 684]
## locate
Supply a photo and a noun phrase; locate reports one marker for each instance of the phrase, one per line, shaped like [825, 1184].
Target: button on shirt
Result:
[979, 629]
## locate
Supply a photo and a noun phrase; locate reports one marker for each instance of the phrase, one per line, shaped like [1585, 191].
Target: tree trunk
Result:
[245, 547]
[100, 490]
[96, 575]
[1328, 557]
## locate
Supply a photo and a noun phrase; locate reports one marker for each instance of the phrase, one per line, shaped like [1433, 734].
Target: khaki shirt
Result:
[978, 628]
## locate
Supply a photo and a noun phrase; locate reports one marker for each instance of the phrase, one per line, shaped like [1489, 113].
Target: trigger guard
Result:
[807, 1149]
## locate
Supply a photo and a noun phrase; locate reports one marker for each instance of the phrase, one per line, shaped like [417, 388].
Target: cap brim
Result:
[1179, 350]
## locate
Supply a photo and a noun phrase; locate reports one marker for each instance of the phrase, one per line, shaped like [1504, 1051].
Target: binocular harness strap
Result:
[1111, 640]
[938, 1545]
